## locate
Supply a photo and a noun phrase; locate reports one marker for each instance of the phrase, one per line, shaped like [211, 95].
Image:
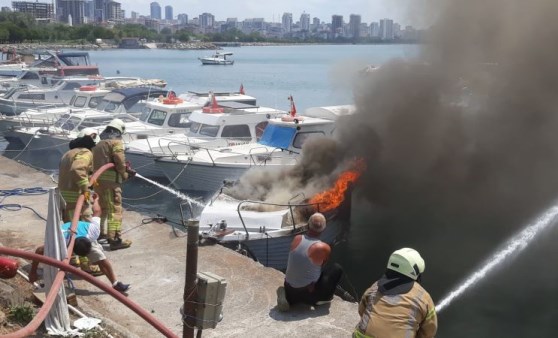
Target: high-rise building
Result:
[336, 25]
[155, 11]
[99, 10]
[206, 20]
[168, 13]
[287, 22]
[183, 19]
[315, 23]
[114, 11]
[386, 29]
[134, 15]
[374, 30]
[39, 10]
[70, 11]
[89, 10]
[354, 26]
[305, 22]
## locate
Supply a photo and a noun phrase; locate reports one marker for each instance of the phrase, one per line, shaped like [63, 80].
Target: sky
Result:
[271, 11]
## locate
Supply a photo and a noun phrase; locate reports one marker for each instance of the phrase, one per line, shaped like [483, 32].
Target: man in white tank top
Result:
[306, 279]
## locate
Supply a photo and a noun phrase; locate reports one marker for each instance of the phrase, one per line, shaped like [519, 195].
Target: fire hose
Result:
[65, 266]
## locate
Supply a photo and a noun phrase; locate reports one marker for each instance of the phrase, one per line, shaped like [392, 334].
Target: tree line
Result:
[18, 27]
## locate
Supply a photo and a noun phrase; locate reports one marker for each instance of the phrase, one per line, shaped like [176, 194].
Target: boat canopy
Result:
[277, 136]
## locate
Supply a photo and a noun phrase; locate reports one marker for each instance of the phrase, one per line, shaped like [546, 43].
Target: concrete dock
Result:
[155, 266]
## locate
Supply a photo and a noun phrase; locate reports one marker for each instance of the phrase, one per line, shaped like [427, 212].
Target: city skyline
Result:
[370, 10]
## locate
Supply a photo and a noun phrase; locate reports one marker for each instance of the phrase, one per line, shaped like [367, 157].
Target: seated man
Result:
[86, 245]
[307, 280]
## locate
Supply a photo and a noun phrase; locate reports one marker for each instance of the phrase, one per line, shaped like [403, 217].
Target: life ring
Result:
[87, 88]
[174, 100]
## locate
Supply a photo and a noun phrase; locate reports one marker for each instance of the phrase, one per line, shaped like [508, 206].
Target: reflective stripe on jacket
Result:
[110, 151]
[75, 167]
[409, 315]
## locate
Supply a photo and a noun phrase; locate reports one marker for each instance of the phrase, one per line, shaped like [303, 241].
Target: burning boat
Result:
[264, 231]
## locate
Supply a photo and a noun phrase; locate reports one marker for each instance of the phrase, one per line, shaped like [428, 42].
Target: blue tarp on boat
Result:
[277, 136]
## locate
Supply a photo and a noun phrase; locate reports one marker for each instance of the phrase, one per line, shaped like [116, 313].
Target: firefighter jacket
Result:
[110, 151]
[75, 167]
[410, 314]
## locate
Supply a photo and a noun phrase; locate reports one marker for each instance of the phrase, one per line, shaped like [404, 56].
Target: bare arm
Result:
[96, 206]
[34, 266]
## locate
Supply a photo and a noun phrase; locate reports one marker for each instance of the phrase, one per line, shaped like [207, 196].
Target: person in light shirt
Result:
[308, 280]
[86, 244]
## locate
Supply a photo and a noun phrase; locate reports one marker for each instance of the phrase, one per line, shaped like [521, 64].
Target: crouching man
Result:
[86, 244]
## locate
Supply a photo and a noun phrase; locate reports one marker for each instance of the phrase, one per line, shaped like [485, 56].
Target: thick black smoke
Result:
[461, 151]
[461, 147]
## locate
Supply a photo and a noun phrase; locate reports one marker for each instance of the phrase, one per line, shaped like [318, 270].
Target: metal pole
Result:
[190, 294]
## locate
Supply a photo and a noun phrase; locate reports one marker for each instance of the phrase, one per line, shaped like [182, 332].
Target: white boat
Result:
[48, 68]
[86, 97]
[20, 99]
[264, 231]
[207, 168]
[117, 103]
[226, 124]
[217, 59]
[53, 141]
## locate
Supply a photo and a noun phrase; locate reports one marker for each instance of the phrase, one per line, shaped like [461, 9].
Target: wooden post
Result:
[190, 293]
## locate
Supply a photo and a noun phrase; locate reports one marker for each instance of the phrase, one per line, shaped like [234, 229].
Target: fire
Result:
[333, 197]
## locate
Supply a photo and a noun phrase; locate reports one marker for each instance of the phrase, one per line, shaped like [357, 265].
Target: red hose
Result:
[24, 332]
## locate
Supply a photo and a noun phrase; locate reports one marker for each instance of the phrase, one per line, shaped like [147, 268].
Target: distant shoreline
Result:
[177, 46]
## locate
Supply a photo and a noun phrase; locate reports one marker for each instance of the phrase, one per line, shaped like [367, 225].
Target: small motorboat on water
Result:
[217, 59]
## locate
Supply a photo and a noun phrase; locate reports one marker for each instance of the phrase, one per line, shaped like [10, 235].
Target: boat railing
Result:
[262, 158]
[287, 205]
[207, 143]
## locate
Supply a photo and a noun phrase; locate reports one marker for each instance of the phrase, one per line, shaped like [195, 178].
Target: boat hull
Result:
[144, 164]
[196, 177]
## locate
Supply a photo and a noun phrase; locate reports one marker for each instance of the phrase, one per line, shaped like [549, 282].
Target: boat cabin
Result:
[175, 113]
[130, 100]
[290, 133]
[235, 120]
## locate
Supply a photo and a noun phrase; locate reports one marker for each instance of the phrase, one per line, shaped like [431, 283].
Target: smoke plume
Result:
[459, 142]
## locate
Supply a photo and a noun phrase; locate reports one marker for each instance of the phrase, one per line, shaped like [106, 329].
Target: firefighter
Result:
[109, 185]
[75, 167]
[397, 305]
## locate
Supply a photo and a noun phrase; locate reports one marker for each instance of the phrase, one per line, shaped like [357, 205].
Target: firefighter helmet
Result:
[90, 132]
[118, 124]
[407, 262]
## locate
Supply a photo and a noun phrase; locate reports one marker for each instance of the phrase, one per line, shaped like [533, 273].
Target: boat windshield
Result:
[277, 136]
[67, 122]
[107, 106]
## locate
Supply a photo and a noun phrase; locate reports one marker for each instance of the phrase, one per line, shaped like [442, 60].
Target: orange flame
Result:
[333, 197]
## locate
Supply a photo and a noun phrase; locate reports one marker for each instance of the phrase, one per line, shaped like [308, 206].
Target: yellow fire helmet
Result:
[407, 262]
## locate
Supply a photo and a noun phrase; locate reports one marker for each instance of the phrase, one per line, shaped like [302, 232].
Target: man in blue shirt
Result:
[86, 244]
